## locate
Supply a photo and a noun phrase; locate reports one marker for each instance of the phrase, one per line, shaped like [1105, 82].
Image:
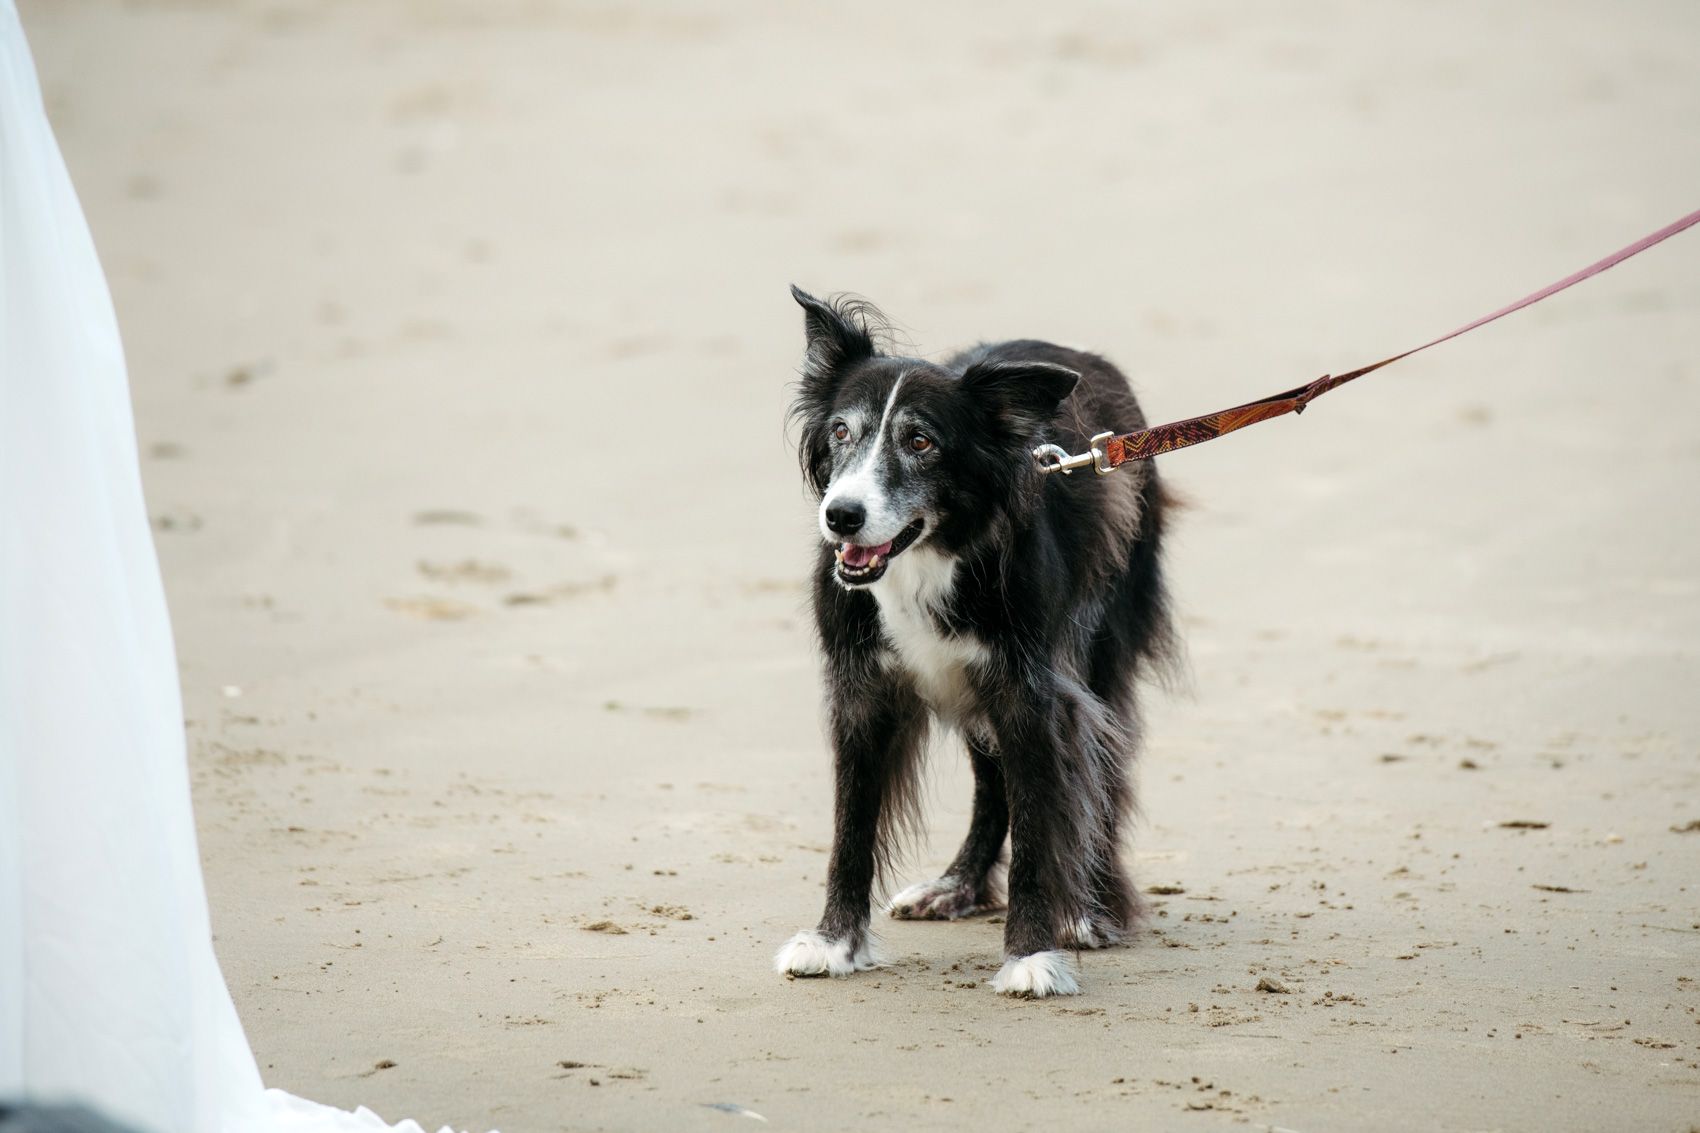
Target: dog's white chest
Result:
[915, 586]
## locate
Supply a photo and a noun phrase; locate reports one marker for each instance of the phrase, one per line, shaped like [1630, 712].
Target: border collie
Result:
[957, 585]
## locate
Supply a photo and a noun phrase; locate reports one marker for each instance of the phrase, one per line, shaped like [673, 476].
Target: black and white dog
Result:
[958, 584]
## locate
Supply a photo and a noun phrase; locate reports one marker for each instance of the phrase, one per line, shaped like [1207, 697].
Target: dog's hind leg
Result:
[974, 883]
[877, 739]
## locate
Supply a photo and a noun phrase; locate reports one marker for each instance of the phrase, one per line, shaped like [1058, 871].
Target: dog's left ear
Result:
[1024, 394]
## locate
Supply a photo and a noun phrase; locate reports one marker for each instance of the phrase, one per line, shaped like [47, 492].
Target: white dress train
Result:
[110, 993]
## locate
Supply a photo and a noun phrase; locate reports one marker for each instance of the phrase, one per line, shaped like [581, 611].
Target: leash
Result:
[1110, 451]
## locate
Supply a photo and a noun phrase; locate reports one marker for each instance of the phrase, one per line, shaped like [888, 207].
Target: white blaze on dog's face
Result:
[879, 497]
[904, 451]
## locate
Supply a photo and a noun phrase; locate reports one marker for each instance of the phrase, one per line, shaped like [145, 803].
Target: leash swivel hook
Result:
[1055, 458]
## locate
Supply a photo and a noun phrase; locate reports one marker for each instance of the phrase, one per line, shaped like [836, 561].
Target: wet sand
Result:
[460, 343]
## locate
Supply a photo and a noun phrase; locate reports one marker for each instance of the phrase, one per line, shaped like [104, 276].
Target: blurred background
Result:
[460, 346]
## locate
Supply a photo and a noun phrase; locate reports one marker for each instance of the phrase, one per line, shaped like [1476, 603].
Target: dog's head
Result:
[901, 451]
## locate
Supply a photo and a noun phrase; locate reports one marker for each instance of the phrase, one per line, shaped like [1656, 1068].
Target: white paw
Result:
[811, 954]
[943, 899]
[1086, 932]
[1036, 976]
[947, 898]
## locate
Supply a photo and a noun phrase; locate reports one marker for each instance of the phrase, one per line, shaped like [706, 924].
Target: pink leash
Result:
[1110, 450]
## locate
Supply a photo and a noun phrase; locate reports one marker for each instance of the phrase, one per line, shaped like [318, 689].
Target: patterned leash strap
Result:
[1110, 450]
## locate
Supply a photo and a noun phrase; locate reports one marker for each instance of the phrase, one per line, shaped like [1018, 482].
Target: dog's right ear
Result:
[839, 332]
[836, 333]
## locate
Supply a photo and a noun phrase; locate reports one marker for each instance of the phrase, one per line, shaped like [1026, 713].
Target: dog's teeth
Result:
[840, 553]
[873, 562]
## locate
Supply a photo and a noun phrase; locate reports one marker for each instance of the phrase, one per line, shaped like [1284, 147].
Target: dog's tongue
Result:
[855, 556]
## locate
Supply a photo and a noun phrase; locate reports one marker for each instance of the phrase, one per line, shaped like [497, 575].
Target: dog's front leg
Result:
[1048, 842]
[875, 738]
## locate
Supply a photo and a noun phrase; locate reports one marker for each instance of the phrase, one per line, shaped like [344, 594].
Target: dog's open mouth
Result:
[859, 565]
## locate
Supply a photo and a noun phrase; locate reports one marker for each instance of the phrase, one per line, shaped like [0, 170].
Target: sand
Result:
[460, 345]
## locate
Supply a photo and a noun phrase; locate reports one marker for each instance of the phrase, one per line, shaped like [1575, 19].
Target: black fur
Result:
[1056, 603]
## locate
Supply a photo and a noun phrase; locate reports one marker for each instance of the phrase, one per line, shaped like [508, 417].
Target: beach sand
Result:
[460, 345]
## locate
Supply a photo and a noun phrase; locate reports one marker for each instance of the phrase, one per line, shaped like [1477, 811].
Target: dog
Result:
[959, 586]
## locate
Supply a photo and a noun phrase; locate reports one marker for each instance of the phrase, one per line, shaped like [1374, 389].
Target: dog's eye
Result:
[841, 431]
[920, 442]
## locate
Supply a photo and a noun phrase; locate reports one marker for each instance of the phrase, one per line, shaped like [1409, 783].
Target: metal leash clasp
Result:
[1055, 458]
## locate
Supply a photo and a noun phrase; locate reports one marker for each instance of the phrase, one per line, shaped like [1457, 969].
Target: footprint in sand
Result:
[447, 517]
[432, 609]
[467, 570]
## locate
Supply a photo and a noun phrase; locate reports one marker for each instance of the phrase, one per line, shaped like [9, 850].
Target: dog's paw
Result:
[943, 899]
[1092, 932]
[1037, 976]
[810, 953]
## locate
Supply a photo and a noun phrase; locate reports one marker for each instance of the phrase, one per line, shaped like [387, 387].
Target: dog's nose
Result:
[845, 518]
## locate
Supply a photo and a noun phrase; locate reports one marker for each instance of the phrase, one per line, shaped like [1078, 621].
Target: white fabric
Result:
[109, 989]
